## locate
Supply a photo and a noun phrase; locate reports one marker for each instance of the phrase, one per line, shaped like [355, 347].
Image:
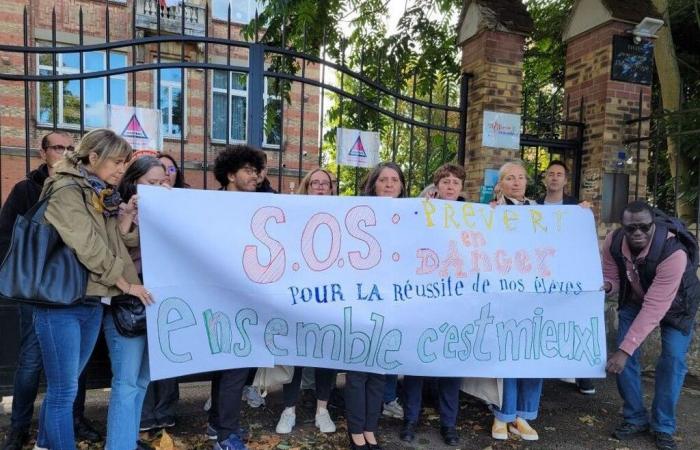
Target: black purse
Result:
[129, 315]
[39, 268]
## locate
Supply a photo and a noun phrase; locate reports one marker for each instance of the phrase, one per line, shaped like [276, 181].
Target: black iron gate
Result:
[551, 134]
[245, 97]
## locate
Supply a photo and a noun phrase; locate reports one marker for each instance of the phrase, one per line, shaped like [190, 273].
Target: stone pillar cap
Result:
[498, 15]
[588, 14]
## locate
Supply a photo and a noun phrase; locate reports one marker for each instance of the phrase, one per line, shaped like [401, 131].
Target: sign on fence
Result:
[139, 126]
[408, 286]
[357, 148]
[501, 130]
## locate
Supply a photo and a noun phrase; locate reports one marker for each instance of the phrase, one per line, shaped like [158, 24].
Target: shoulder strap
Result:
[616, 245]
[38, 210]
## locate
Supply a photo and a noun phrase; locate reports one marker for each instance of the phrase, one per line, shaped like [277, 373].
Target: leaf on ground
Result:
[587, 419]
[266, 442]
[550, 429]
[166, 442]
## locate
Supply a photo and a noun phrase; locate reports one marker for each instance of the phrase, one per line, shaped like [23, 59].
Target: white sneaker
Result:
[36, 447]
[324, 422]
[253, 397]
[287, 421]
[393, 409]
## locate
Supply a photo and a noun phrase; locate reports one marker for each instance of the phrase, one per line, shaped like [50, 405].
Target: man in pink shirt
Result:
[650, 268]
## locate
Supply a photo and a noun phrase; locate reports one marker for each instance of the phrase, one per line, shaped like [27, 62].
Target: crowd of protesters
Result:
[92, 203]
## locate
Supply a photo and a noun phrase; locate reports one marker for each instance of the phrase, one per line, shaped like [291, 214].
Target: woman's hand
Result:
[140, 291]
[585, 204]
[132, 207]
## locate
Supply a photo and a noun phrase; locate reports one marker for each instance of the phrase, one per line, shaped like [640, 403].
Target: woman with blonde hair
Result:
[317, 182]
[83, 207]
[521, 396]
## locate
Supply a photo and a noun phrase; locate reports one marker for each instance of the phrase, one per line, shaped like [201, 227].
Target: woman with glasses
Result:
[162, 395]
[316, 182]
[127, 354]
[521, 396]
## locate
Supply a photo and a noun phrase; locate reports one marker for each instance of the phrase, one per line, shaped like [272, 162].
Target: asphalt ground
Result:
[568, 420]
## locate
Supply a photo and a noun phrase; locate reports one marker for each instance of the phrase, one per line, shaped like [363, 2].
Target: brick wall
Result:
[198, 96]
[607, 106]
[495, 59]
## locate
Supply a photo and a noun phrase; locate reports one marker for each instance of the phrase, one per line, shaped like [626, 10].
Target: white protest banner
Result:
[501, 130]
[408, 286]
[139, 126]
[357, 148]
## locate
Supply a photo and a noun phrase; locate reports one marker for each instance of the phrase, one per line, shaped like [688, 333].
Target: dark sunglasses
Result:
[643, 227]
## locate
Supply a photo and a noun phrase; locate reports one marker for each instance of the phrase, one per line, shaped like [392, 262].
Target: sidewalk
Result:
[568, 420]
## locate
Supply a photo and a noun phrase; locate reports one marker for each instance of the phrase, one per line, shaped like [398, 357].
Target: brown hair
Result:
[105, 143]
[448, 169]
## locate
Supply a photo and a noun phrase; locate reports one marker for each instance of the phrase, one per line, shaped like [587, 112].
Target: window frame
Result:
[229, 103]
[260, 4]
[156, 106]
[68, 70]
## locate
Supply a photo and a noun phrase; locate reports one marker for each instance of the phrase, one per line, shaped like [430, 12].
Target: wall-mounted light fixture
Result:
[647, 28]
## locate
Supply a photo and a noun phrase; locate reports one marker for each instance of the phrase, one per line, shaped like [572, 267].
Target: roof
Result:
[632, 11]
[502, 14]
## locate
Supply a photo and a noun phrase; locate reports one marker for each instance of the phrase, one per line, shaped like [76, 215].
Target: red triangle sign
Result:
[358, 149]
[134, 129]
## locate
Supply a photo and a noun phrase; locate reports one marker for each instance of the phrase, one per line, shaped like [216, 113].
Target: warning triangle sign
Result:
[358, 149]
[134, 129]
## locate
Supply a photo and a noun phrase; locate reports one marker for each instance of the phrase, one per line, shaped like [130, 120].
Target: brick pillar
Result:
[607, 105]
[495, 59]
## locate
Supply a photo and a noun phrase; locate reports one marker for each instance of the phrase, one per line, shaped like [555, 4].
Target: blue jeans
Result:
[521, 398]
[670, 373]
[130, 377]
[390, 388]
[67, 337]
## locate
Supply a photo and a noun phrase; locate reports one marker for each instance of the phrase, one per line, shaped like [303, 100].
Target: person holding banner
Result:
[316, 182]
[448, 180]
[128, 354]
[175, 176]
[236, 169]
[521, 396]
[365, 391]
[83, 207]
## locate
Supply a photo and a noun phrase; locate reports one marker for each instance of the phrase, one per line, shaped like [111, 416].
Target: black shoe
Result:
[665, 441]
[408, 432]
[375, 446]
[627, 430]
[354, 446]
[85, 431]
[148, 425]
[585, 386]
[167, 422]
[449, 435]
[15, 439]
[140, 445]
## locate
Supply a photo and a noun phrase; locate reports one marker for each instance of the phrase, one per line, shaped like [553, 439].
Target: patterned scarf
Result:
[105, 198]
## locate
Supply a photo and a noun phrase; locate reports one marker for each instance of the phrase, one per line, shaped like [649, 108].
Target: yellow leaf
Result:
[166, 442]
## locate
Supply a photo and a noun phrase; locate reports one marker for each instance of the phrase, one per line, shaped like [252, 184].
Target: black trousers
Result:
[226, 392]
[161, 400]
[448, 392]
[325, 379]
[364, 393]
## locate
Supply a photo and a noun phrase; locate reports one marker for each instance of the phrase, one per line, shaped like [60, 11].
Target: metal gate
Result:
[213, 87]
[550, 134]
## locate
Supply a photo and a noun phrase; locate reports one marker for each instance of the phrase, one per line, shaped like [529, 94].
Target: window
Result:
[172, 101]
[68, 92]
[237, 106]
[242, 11]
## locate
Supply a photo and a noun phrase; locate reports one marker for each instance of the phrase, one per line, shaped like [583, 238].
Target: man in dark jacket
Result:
[555, 179]
[29, 364]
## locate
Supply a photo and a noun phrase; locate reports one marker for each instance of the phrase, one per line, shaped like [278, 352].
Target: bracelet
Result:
[128, 291]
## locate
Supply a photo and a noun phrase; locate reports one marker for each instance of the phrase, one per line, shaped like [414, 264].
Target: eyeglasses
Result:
[633, 227]
[60, 148]
[320, 184]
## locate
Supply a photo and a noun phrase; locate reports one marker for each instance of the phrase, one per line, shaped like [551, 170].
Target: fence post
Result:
[463, 101]
[256, 80]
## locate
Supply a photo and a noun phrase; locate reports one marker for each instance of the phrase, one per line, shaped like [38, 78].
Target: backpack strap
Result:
[37, 211]
[653, 258]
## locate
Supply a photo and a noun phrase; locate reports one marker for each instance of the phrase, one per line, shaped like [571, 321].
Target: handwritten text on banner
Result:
[403, 286]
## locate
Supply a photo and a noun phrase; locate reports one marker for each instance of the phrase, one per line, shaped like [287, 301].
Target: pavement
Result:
[568, 420]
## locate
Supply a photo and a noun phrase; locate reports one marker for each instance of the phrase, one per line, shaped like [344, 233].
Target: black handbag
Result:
[39, 268]
[129, 315]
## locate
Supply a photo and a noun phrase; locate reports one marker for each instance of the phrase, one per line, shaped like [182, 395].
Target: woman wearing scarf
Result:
[521, 396]
[84, 208]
